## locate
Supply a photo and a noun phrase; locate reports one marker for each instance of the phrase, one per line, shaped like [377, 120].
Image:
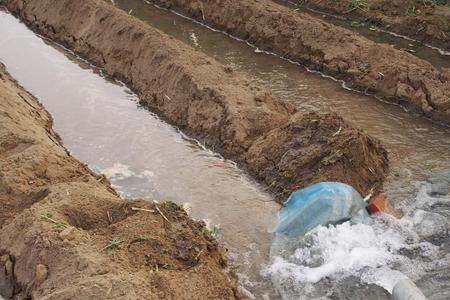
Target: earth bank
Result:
[425, 21]
[278, 145]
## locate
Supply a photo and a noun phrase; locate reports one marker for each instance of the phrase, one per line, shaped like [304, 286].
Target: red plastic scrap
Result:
[380, 204]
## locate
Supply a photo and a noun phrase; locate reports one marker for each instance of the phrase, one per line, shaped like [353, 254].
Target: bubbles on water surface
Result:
[129, 183]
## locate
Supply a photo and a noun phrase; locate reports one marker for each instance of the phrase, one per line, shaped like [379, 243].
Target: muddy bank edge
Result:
[56, 217]
[279, 146]
[379, 69]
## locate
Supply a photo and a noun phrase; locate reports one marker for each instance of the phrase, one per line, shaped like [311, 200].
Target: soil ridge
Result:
[278, 145]
[378, 69]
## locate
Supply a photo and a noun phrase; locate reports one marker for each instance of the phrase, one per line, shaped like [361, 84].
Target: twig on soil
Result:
[109, 291]
[367, 198]
[114, 243]
[357, 4]
[143, 209]
[203, 13]
[160, 212]
[110, 219]
[337, 132]
[198, 255]
[56, 222]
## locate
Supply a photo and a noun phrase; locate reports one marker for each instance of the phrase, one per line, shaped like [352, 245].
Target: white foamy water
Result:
[118, 171]
[382, 252]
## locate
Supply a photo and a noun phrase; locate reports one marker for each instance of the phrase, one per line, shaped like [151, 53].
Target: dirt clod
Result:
[40, 274]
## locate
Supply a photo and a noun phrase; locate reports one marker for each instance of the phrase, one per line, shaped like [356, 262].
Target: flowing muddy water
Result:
[101, 124]
[437, 57]
[416, 145]
[143, 157]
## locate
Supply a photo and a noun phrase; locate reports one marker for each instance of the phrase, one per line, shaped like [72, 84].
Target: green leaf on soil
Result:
[46, 216]
[363, 66]
[114, 243]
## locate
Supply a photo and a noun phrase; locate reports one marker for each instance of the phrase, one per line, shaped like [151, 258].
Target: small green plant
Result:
[374, 21]
[363, 66]
[141, 104]
[46, 216]
[358, 5]
[411, 9]
[356, 23]
[421, 27]
[114, 243]
[435, 2]
[213, 231]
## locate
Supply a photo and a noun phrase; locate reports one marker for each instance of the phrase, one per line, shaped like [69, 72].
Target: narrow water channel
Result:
[101, 124]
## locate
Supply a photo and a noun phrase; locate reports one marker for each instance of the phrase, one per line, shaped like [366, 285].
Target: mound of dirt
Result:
[279, 146]
[421, 20]
[379, 69]
[65, 234]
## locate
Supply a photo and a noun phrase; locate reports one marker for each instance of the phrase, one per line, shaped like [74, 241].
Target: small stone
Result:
[41, 273]
[439, 183]
[9, 267]
[228, 69]
[428, 224]
[4, 259]
[67, 234]
[437, 188]
[404, 91]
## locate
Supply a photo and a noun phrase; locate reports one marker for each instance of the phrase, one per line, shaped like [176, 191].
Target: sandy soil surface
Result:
[420, 20]
[278, 145]
[56, 217]
[380, 69]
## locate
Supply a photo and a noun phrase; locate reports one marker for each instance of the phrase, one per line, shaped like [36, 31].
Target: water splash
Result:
[380, 253]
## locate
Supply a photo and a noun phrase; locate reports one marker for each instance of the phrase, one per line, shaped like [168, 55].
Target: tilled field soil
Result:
[279, 146]
[380, 69]
[420, 20]
[56, 217]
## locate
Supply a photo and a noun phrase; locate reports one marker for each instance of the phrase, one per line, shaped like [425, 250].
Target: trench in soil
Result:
[437, 57]
[101, 123]
[414, 143]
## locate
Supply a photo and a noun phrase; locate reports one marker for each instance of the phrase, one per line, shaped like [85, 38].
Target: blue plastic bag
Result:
[323, 203]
